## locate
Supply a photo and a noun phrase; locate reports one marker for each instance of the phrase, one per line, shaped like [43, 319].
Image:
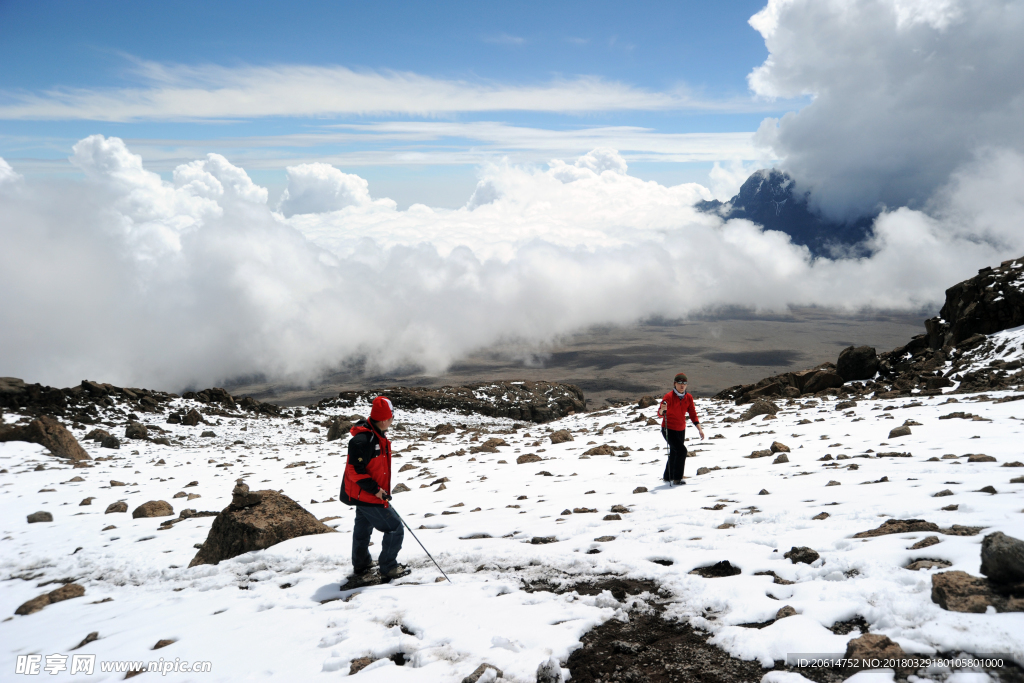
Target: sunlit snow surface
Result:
[268, 631]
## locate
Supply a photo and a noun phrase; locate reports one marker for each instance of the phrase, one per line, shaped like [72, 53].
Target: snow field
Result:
[263, 615]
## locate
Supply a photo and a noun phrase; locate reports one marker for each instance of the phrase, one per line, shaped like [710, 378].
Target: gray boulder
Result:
[1002, 559]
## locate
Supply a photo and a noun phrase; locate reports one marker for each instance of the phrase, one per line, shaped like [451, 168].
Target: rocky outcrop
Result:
[527, 400]
[253, 521]
[954, 351]
[82, 403]
[338, 427]
[49, 433]
[960, 592]
[991, 301]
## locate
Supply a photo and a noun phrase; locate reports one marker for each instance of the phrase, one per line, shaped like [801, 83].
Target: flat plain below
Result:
[618, 363]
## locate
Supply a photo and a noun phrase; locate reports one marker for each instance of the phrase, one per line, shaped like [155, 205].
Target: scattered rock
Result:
[604, 539]
[925, 542]
[480, 671]
[845, 405]
[65, 592]
[640, 489]
[49, 433]
[613, 517]
[88, 501]
[821, 515]
[400, 488]
[958, 591]
[717, 570]
[899, 431]
[111, 442]
[647, 402]
[899, 526]
[987, 489]
[763, 453]
[801, 554]
[164, 643]
[942, 493]
[208, 434]
[1002, 559]
[784, 612]
[833, 482]
[561, 436]
[541, 540]
[119, 506]
[95, 635]
[600, 450]
[136, 430]
[238, 529]
[192, 418]
[763, 492]
[780, 459]
[871, 646]
[980, 457]
[700, 471]
[927, 563]
[777, 447]
[41, 516]
[528, 457]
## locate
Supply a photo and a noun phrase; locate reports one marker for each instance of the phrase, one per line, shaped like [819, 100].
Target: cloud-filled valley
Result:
[197, 277]
[195, 280]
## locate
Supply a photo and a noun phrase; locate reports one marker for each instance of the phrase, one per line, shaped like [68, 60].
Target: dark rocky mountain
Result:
[956, 350]
[769, 198]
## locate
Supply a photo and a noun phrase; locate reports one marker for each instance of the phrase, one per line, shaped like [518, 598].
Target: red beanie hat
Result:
[381, 409]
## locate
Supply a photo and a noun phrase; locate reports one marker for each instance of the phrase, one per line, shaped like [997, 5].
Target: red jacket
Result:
[678, 409]
[368, 468]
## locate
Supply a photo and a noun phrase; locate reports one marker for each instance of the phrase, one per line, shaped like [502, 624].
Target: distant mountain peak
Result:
[769, 198]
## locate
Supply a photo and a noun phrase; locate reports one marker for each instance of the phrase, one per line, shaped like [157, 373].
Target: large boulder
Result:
[253, 521]
[759, 407]
[153, 508]
[1002, 559]
[339, 427]
[813, 381]
[857, 362]
[49, 433]
[136, 430]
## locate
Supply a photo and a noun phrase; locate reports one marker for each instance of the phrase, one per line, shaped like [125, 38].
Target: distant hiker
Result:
[367, 486]
[674, 408]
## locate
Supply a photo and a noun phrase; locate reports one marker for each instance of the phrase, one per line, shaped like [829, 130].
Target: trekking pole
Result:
[420, 542]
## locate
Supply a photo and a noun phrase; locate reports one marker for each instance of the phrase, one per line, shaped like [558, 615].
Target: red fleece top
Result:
[678, 409]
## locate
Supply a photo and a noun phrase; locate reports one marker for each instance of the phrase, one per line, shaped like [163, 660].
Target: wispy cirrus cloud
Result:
[212, 92]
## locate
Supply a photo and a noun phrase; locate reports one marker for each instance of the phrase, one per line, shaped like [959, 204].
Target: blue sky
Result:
[412, 96]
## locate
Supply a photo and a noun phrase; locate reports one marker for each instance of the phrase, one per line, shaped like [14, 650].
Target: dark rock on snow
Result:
[65, 592]
[41, 516]
[49, 433]
[253, 521]
[1002, 559]
[801, 554]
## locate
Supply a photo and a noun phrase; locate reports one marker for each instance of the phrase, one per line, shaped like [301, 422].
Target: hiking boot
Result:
[396, 572]
[677, 482]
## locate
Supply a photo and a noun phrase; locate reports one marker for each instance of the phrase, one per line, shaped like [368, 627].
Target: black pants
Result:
[676, 454]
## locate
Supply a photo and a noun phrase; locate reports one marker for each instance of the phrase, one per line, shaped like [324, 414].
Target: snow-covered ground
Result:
[276, 614]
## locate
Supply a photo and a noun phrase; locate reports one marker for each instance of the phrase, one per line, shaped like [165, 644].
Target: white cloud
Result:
[320, 188]
[194, 281]
[905, 92]
[174, 92]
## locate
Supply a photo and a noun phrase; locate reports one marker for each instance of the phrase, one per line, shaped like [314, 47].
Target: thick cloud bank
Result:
[905, 93]
[132, 279]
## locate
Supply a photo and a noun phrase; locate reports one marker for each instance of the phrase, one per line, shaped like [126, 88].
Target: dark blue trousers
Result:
[385, 520]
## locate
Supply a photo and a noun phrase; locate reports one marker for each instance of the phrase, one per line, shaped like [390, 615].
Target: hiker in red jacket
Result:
[674, 408]
[367, 486]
